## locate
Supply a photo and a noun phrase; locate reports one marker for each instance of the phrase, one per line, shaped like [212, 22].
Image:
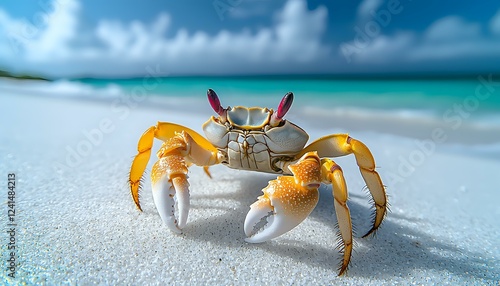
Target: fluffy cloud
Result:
[247, 9]
[451, 29]
[446, 39]
[495, 24]
[61, 29]
[57, 45]
[383, 49]
[294, 38]
[11, 31]
[43, 38]
[366, 8]
[57, 48]
[133, 42]
[451, 37]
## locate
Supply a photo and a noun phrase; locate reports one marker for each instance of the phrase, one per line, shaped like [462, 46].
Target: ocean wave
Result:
[413, 123]
[422, 116]
[60, 88]
[108, 93]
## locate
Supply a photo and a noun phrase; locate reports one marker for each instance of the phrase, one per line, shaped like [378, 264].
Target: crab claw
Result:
[284, 205]
[286, 202]
[171, 188]
[165, 195]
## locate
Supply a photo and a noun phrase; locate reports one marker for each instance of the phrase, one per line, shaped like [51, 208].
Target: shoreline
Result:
[456, 125]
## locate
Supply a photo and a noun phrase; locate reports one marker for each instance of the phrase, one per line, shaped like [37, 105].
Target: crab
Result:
[257, 139]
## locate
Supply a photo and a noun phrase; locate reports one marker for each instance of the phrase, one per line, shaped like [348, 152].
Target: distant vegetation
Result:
[20, 76]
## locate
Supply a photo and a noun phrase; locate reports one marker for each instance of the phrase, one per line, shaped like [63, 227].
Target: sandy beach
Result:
[76, 223]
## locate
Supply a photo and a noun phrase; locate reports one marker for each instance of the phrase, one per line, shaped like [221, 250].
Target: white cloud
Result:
[54, 39]
[135, 41]
[12, 32]
[447, 38]
[295, 38]
[130, 47]
[249, 8]
[451, 37]
[299, 32]
[495, 24]
[42, 38]
[367, 7]
[452, 28]
[384, 49]
[458, 50]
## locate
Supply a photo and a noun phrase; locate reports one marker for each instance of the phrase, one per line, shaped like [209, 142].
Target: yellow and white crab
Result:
[257, 139]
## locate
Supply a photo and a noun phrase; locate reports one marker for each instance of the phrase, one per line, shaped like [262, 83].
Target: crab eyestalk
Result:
[215, 103]
[283, 108]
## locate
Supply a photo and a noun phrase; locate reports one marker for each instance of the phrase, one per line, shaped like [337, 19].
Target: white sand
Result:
[77, 223]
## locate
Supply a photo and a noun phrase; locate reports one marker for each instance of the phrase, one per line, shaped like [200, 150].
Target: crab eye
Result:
[283, 108]
[214, 101]
[285, 105]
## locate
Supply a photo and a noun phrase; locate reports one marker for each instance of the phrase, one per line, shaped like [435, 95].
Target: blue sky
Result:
[128, 38]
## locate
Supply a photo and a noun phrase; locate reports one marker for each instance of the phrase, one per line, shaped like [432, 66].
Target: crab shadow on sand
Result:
[396, 251]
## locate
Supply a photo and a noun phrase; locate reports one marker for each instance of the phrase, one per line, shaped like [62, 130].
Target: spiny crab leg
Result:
[332, 174]
[286, 201]
[341, 145]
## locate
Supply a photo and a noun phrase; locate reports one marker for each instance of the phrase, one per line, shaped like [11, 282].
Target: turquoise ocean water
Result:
[474, 98]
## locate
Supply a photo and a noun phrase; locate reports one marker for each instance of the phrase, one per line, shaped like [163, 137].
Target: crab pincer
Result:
[286, 202]
[170, 186]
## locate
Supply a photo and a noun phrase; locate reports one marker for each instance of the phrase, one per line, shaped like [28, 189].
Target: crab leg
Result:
[341, 145]
[182, 147]
[286, 202]
[140, 162]
[332, 174]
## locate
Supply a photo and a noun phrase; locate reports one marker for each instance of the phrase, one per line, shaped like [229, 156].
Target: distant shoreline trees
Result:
[7, 74]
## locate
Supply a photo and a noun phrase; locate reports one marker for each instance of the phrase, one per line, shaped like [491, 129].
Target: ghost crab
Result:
[257, 139]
